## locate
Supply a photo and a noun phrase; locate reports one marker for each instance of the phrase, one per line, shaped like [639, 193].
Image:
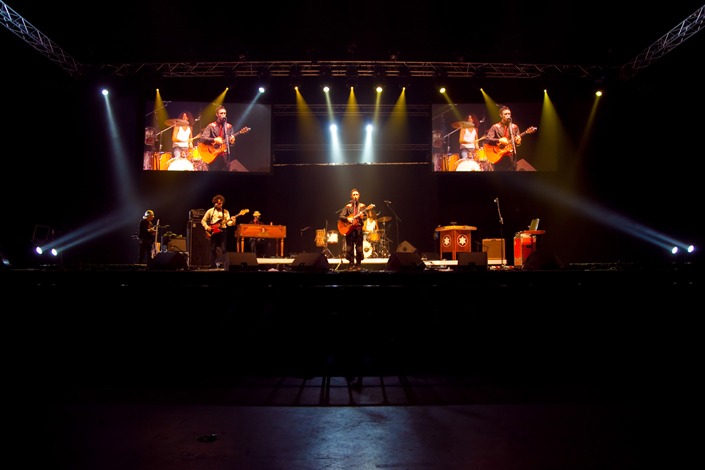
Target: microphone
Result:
[495, 199]
[387, 202]
[305, 228]
[197, 119]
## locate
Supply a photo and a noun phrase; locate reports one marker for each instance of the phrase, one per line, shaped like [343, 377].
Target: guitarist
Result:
[215, 221]
[220, 134]
[504, 134]
[352, 217]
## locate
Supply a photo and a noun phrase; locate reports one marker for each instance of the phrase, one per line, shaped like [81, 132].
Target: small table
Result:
[454, 239]
[525, 243]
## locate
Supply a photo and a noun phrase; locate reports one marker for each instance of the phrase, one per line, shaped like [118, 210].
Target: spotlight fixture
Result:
[263, 80]
[326, 74]
[295, 76]
[404, 76]
[441, 77]
[351, 76]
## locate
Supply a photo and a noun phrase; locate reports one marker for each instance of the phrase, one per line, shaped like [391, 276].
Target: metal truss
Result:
[22, 28]
[348, 69]
[351, 69]
[666, 43]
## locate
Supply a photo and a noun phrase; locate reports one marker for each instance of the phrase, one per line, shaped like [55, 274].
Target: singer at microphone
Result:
[218, 137]
[502, 141]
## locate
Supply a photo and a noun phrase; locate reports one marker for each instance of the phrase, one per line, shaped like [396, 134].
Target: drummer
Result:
[370, 225]
[467, 137]
[182, 135]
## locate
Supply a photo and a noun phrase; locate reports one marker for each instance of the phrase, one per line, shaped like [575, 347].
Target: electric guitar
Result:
[209, 152]
[344, 226]
[495, 152]
[215, 228]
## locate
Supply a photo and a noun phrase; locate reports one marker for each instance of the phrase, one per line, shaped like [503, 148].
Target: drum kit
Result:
[169, 162]
[191, 162]
[375, 243]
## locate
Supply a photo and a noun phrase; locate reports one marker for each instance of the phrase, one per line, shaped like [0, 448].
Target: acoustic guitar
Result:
[495, 152]
[215, 228]
[209, 152]
[344, 226]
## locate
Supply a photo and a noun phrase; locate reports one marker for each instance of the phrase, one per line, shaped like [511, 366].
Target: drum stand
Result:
[326, 252]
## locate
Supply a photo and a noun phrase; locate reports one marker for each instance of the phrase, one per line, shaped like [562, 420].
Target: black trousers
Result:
[353, 246]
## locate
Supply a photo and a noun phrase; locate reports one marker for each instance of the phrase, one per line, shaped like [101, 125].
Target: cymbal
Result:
[386, 218]
[462, 124]
[176, 122]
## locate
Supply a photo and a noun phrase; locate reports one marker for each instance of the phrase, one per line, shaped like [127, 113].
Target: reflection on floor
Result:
[131, 368]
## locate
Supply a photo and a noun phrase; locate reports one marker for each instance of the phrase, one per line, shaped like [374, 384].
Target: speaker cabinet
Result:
[401, 261]
[246, 261]
[168, 261]
[310, 262]
[177, 244]
[406, 247]
[542, 260]
[472, 261]
[199, 247]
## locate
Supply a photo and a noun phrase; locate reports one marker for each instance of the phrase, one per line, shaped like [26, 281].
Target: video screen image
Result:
[189, 136]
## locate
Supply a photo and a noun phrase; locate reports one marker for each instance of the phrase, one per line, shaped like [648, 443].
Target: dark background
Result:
[641, 165]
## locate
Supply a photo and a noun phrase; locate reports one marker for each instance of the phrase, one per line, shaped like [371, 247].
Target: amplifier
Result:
[177, 244]
[494, 247]
[196, 213]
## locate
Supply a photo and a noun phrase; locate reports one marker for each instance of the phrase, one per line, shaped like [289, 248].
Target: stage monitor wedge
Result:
[310, 262]
[246, 261]
[472, 261]
[405, 262]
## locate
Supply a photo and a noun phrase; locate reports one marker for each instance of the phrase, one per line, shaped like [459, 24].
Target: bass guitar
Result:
[209, 152]
[344, 226]
[215, 228]
[495, 152]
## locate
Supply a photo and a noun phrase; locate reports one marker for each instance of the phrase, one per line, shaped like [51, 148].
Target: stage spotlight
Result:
[326, 73]
[295, 76]
[440, 77]
[263, 80]
[351, 76]
[404, 76]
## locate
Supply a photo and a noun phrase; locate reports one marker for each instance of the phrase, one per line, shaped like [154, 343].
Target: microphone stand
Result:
[326, 251]
[501, 232]
[396, 220]
[227, 144]
[301, 238]
[514, 145]
[449, 134]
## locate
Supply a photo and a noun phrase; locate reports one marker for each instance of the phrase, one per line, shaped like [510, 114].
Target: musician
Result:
[219, 135]
[468, 137]
[501, 135]
[215, 221]
[258, 245]
[182, 136]
[147, 236]
[352, 219]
